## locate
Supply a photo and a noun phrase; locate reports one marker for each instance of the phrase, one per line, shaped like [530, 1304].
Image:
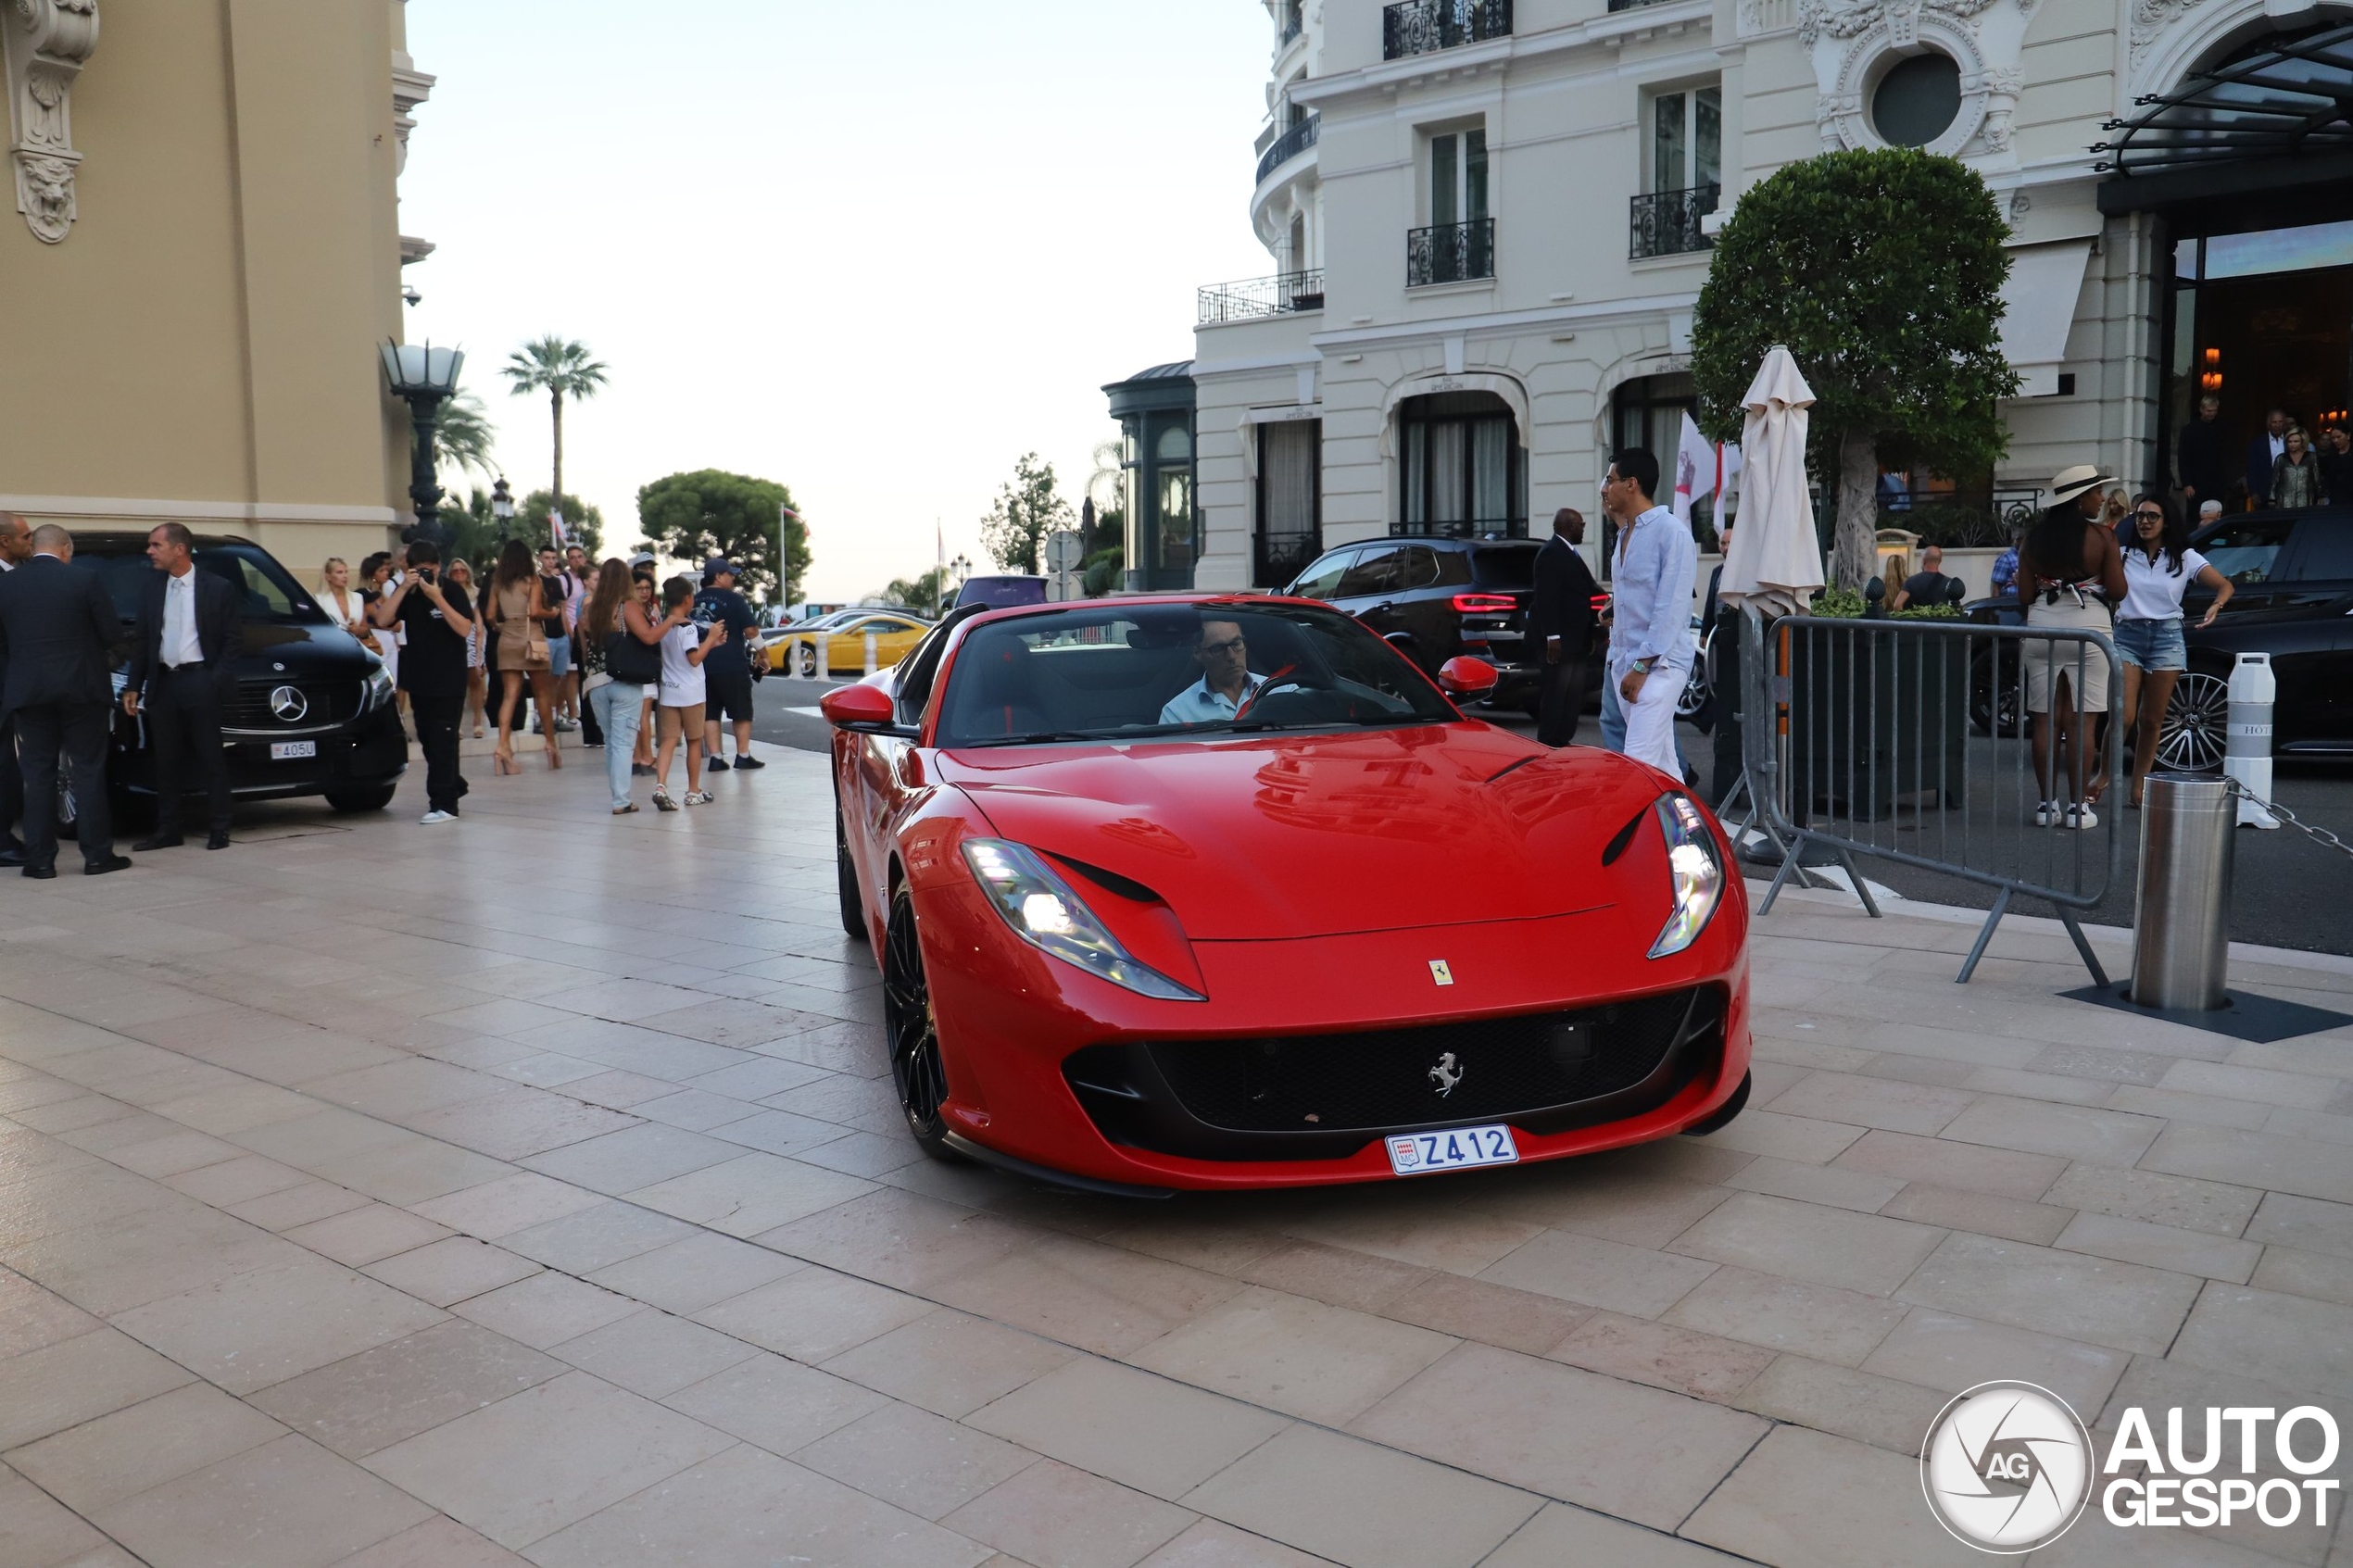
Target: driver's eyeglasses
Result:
[1216, 650]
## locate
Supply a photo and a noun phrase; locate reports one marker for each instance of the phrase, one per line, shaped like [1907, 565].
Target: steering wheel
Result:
[1290, 678]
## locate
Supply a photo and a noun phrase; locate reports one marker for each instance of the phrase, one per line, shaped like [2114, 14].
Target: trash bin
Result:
[2181, 918]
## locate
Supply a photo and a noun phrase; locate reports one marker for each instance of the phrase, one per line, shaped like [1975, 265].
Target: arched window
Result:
[1461, 471]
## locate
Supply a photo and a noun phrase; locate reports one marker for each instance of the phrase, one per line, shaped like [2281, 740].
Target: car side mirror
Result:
[1463, 676]
[866, 709]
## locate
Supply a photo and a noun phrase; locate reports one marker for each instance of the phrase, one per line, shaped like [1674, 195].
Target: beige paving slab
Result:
[359, 1236]
[260, 1328]
[519, 1124]
[913, 1460]
[2105, 1137]
[1053, 1514]
[1334, 1275]
[2316, 1274]
[2293, 1341]
[1963, 1166]
[2307, 1167]
[1950, 1351]
[1637, 1453]
[235, 1181]
[2124, 1305]
[2311, 1223]
[1982, 1212]
[545, 1458]
[1144, 1431]
[376, 1398]
[754, 1192]
[286, 1504]
[100, 1462]
[903, 1239]
[1430, 1234]
[296, 1206]
[32, 1317]
[780, 1405]
[546, 1310]
[1518, 1319]
[1703, 1365]
[1802, 1139]
[110, 1268]
[633, 1157]
[813, 1314]
[597, 1237]
[1864, 1508]
[1212, 1543]
[2216, 1208]
[76, 1380]
[437, 1543]
[451, 1269]
[2161, 1246]
[653, 1353]
[1886, 1413]
[1864, 1252]
[1287, 1353]
[951, 1363]
[37, 1529]
[1636, 1208]
[1633, 1280]
[1872, 1102]
[1863, 1191]
[695, 1272]
[1096, 1297]
[1561, 1534]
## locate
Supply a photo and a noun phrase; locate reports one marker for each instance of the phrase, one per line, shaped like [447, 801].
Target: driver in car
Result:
[1225, 681]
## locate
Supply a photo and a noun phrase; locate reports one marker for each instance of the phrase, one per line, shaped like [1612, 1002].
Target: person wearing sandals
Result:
[515, 608]
[2158, 567]
[619, 645]
[684, 647]
[461, 574]
[2069, 571]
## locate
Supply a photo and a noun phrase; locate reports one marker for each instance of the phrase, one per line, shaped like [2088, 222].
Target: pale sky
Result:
[873, 251]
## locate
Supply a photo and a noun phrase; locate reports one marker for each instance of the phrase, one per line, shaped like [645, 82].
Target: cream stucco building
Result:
[1491, 221]
[204, 254]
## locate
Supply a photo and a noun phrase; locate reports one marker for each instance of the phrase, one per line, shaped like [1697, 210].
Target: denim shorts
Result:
[2153, 645]
[559, 656]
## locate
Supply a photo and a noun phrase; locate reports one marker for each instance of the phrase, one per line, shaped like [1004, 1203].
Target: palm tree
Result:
[462, 434]
[561, 368]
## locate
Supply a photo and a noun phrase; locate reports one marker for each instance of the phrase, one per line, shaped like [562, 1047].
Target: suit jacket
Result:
[1563, 607]
[2259, 465]
[2202, 457]
[56, 626]
[220, 636]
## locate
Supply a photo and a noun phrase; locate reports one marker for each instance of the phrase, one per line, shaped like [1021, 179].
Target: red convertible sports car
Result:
[1222, 892]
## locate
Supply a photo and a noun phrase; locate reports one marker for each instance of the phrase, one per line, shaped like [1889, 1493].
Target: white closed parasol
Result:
[1776, 558]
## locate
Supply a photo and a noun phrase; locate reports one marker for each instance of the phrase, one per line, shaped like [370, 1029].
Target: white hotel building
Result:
[1490, 220]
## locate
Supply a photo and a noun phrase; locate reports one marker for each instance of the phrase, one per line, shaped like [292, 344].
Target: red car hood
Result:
[1317, 835]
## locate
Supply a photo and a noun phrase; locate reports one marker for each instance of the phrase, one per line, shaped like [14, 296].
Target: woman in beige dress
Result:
[519, 614]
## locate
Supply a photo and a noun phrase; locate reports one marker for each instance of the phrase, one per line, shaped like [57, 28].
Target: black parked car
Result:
[313, 713]
[1436, 598]
[2294, 601]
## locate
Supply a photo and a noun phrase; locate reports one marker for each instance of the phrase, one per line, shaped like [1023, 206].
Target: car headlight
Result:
[376, 690]
[1692, 866]
[1047, 914]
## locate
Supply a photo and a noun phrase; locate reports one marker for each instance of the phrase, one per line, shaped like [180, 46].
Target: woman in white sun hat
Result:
[2069, 574]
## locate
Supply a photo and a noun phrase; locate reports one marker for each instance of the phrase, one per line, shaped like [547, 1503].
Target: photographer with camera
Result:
[437, 619]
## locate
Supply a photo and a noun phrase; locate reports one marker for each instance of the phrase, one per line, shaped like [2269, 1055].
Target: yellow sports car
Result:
[895, 638]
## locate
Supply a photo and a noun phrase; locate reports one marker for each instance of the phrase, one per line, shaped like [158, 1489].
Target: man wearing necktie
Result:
[179, 679]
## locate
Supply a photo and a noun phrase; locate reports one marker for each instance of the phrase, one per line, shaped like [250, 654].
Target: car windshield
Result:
[267, 593]
[1002, 593]
[1177, 672]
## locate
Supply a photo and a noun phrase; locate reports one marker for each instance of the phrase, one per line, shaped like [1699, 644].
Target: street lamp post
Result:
[502, 506]
[425, 377]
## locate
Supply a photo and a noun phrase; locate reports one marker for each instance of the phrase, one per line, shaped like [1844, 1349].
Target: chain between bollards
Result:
[2317, 835]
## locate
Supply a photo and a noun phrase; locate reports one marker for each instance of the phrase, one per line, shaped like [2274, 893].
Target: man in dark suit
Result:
[2262, 452]
[56, 625]
[180, 678]
[16, 548]
[2199, 455]
[1560, 627]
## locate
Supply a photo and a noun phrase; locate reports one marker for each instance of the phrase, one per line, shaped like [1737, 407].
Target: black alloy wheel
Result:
[1694, 696]
[915, 1064]
[1994, 703]
[853, 906]
[2197, 735]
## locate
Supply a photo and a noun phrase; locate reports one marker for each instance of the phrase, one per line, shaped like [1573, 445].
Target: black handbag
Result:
[631, 662]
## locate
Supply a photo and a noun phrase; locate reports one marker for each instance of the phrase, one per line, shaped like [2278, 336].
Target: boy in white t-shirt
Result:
[683, 650]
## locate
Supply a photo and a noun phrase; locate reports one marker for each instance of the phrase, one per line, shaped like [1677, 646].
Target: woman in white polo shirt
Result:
[2159, 566]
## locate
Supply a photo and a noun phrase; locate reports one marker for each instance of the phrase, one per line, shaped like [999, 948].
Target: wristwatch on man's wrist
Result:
[1643, 666]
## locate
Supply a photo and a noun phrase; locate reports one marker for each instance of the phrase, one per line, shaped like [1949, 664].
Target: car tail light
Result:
[1600, 604]
[1485, 604]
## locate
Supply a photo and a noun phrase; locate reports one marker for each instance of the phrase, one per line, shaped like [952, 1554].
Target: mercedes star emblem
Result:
[289, 705]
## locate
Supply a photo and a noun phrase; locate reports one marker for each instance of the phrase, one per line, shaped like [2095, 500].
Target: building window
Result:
[1462, 473]
[1291, 500]
[1685, 172]
[1648, 412]
[1917, 101]
[1457, 177]
[1458, 245]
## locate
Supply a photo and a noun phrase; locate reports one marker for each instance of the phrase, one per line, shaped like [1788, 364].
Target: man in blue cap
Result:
[727, 669]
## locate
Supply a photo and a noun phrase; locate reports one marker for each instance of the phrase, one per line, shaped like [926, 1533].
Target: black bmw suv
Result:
[1436, 598]
[313, 713]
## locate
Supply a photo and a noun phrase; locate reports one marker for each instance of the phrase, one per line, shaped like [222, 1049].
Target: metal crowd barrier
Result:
[1909, 741]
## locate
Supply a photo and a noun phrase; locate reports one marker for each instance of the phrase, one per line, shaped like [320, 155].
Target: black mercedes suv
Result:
[313, 712]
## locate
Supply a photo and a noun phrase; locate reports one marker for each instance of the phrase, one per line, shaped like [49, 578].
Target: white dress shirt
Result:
[180, 644]
[1657, 565]
[1198, 704]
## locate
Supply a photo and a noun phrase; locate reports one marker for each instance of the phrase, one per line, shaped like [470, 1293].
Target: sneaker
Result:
[435, 819]
[2046, 814]
[744, 762]
[565, 726]
[2081, 818]
[593, 745]
[699, 797]
[662, 801]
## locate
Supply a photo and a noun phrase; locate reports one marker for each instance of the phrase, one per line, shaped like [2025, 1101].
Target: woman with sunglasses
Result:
[2159, 566]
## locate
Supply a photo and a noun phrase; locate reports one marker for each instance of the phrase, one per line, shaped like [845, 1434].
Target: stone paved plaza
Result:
[530, 1189]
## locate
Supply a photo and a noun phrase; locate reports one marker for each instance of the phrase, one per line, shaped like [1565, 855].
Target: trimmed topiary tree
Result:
[1881, 272]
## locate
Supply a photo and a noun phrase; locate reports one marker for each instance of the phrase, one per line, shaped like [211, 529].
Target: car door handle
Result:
[1381, 609]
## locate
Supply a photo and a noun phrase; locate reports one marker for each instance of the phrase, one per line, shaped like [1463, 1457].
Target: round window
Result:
[1918, 101]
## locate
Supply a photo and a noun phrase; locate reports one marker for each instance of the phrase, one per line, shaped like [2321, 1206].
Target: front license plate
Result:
[291, 750]
[1455, 1150]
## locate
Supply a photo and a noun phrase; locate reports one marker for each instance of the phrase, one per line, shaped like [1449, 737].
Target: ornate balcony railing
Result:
[1277, 296]
[1293, 24]
[1277, 558]
[1667, 222]
[1632, 5]
[1288, 145]
[1424, 27]
[1450, 253]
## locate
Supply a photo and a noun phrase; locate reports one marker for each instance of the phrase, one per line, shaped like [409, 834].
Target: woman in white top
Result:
[342, 604]
[2159, 566]
[477, 686]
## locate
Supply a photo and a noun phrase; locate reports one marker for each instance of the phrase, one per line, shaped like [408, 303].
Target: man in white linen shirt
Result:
[1650, 643]
[1225, 681]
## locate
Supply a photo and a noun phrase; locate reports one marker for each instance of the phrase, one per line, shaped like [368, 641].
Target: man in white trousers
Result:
[1650, 641]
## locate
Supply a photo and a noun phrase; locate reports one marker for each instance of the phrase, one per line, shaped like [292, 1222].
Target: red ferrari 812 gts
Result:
[1223, 892]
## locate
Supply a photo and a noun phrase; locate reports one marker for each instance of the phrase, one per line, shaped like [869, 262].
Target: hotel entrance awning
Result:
[2278, 113]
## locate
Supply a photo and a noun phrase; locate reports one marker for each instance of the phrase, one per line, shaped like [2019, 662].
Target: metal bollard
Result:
[871, 666]
[824, 664]
[2253, 691]
[2181, 918]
